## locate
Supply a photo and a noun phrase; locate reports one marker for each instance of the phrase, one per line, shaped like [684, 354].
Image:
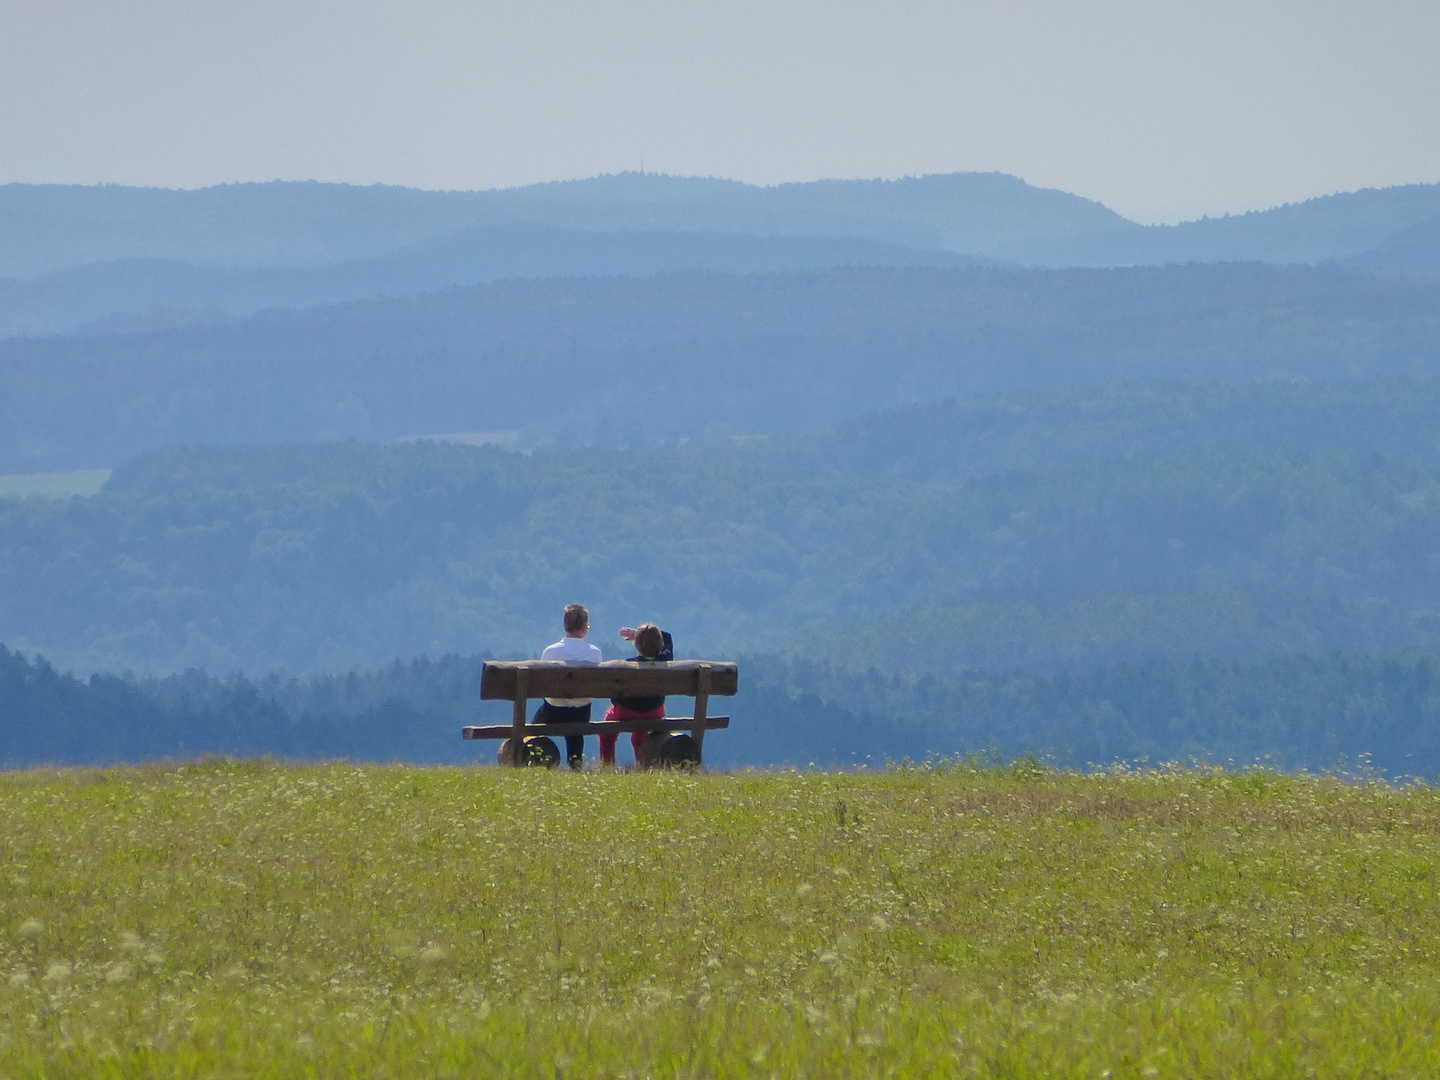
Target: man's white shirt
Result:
[573, 650]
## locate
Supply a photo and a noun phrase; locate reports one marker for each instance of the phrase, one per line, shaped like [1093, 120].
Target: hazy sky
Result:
[1161, 109]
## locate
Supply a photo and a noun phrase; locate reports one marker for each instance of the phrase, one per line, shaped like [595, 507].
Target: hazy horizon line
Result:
[720, 179]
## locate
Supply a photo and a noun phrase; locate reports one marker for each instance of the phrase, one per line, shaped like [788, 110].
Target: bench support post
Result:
[702, 705]
[517, 726]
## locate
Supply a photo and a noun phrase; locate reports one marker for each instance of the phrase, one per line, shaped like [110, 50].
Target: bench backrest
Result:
[612, 678]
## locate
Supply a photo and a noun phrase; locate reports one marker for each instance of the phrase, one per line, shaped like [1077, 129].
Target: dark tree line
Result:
[1339, 712]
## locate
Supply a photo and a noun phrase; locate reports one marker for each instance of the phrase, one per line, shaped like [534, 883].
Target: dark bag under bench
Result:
[522, 681]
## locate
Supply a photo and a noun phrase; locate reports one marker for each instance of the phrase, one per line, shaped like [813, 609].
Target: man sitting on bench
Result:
[573, 649]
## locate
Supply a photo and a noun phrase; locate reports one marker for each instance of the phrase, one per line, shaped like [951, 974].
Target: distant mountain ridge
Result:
[1330, 227]
[148, 258]
[45, 228]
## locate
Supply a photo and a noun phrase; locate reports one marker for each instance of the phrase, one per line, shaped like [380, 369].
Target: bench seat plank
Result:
[609, 679]
[596, 727]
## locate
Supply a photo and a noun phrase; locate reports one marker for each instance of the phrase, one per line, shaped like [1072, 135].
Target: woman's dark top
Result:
[648, 704]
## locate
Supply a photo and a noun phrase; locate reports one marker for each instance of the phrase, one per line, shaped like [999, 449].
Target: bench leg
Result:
[517, 722]
[702, 707]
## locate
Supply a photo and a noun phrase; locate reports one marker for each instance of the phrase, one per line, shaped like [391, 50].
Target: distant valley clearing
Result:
[54, 485]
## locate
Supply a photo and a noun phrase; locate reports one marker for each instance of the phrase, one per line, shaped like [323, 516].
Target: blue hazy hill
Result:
[151, 293]
[1314, 230]
[44, 228]
[1412, 251]
[108, 258]
[693, 354]
[1330, 227]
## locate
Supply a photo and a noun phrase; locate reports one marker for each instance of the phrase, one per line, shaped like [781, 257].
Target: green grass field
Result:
[250, 919]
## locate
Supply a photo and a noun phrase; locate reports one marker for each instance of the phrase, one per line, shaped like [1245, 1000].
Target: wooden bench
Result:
[522, 681]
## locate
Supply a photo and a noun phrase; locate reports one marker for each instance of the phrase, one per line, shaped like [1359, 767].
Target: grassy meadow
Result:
[255, 919]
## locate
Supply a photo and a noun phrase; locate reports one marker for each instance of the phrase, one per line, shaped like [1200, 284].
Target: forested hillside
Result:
[1279, 517]
[619, 360]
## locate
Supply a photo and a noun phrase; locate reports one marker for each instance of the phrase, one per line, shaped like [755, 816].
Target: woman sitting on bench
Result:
[651, 643]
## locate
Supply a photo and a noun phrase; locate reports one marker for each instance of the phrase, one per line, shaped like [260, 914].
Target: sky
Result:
[1162, 110]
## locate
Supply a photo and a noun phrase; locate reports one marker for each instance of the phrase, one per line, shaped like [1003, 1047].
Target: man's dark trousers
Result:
[566, 714]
